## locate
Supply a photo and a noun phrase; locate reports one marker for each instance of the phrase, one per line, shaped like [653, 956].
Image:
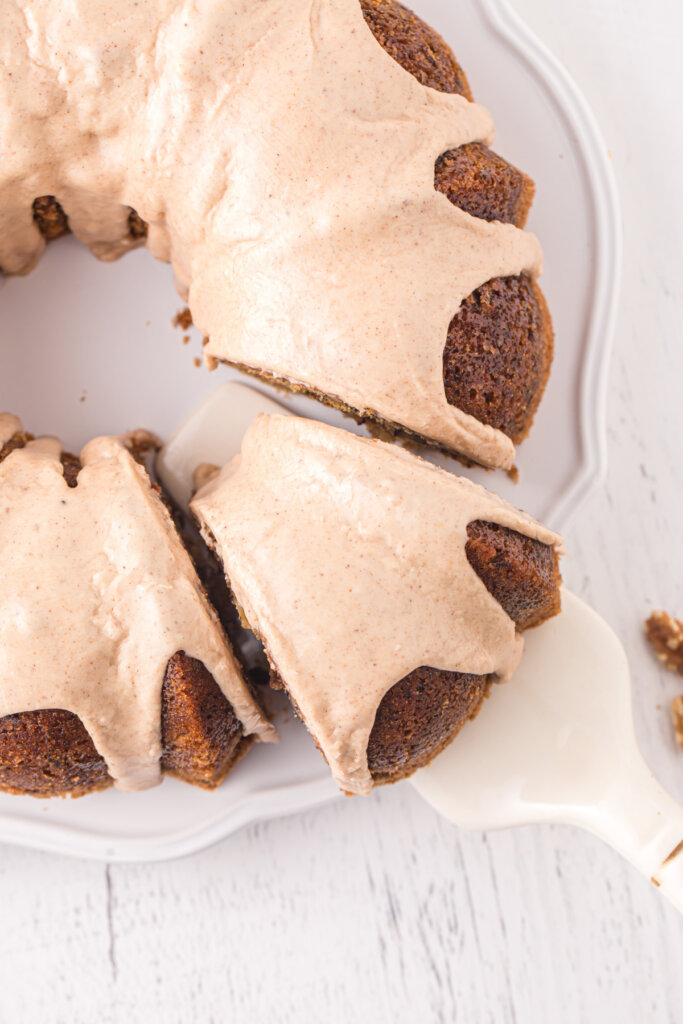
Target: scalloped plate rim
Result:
[589, 144]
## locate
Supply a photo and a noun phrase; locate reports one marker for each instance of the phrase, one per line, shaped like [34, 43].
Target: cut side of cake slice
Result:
[115, 668]
[388, 593]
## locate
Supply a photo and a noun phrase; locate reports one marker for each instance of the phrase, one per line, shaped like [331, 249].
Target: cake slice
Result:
[421, 321]
[388, 593]
[114, 666]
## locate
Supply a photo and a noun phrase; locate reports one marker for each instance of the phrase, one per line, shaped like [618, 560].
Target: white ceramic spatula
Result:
[556, 744]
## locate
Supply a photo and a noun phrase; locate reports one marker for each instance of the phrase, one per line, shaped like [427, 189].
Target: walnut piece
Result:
[666, 636]
[677, 716]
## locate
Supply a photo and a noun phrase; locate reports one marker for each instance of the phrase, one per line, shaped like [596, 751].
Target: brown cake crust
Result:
[521, 573]
[414, 45]
[50, 218]
[201, 735]
[498, 355]
[50, 753]
[483, 184]
[137, 227]
[418, 717]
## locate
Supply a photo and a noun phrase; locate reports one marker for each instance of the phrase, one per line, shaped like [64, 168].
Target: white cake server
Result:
[556, 744]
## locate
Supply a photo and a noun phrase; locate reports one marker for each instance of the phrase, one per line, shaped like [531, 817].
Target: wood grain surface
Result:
[376, 910]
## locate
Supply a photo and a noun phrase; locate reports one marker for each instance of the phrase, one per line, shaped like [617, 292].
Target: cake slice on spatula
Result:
[389, 594]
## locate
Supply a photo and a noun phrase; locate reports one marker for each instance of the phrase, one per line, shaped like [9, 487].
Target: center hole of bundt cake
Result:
[90, 348]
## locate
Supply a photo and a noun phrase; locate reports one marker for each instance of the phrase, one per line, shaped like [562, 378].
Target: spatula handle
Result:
[639, 819]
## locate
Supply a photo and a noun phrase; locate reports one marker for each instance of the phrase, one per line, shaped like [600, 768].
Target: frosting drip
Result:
[9, 426]
[97, 593]
[285, 165]
[348, 558]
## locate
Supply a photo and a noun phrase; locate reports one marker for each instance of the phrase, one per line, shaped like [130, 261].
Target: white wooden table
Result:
[376, 910]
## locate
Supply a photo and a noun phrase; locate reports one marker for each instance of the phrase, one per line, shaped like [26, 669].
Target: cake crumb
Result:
[197, 361]
[677, 718]
[183, 318]
[665, 634]
[186, 339]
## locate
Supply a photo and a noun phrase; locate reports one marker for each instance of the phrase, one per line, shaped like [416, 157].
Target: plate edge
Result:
[603, 192]
[258, 806]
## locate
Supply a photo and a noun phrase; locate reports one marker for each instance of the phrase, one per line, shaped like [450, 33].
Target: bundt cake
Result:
[114, 666]
[337, 224]
[388, 593]
[320, 177]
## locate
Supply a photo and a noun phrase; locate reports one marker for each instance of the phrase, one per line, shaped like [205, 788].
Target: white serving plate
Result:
[89, 348]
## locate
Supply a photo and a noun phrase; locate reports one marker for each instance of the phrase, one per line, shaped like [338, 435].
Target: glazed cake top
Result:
[97, 593]
[348, 558]
[285, 165]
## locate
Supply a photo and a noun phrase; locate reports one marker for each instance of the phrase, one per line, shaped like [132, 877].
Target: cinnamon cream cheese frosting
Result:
[9, 426]
[285, 166]
[97, 593]
[348, 558]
